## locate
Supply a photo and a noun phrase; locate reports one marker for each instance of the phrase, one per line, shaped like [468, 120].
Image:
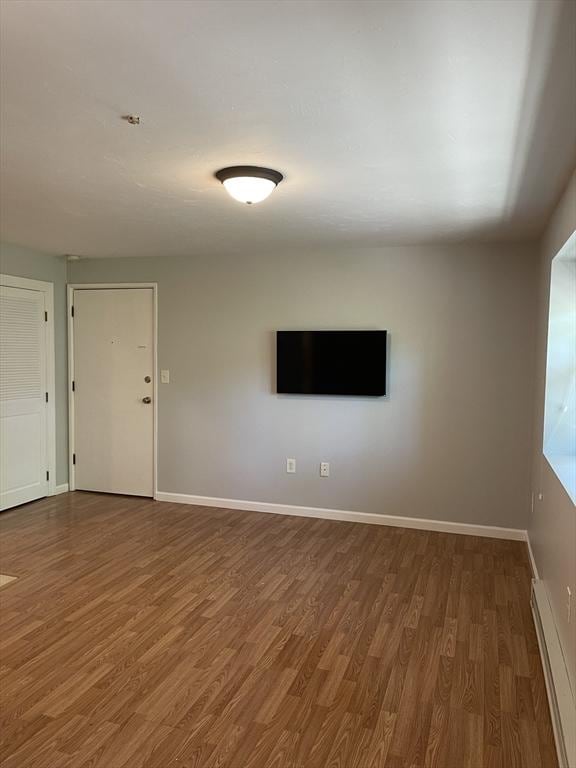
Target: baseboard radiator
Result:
[560, 695]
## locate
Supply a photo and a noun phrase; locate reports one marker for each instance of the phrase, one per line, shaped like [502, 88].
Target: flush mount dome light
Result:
[249, 183]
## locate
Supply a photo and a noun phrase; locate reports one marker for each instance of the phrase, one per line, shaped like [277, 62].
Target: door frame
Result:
[71, 427]
[12, 281]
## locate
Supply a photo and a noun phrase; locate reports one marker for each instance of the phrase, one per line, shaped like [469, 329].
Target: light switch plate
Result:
[165, 376]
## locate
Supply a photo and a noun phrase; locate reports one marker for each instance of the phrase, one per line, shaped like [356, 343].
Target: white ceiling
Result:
[408, 121]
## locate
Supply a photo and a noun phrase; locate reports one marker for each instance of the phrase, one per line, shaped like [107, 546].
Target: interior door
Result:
[114, 390]
[23, 397]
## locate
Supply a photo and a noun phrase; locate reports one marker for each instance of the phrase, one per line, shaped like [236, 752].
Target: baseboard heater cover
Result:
[560, 695]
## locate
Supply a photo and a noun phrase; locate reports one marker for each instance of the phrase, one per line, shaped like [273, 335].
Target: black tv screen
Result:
[331, 363]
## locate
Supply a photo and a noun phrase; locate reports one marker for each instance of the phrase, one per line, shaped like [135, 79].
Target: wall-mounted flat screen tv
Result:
[331, 363]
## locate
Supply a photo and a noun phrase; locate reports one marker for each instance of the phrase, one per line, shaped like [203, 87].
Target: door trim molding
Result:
[11, 281]
[71, 436]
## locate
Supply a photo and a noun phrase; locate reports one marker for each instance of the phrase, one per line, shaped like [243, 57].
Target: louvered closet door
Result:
[23, 410]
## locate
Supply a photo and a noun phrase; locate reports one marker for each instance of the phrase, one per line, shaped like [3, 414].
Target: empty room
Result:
[288, 384]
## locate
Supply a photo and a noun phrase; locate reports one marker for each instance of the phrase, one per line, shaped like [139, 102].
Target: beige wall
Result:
[452, 442]
[552, 526]
[23, 262]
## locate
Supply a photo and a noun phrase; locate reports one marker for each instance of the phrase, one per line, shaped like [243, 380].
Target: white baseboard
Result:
[560, 697]
[61, 489]
[443, 526]
[532, 558]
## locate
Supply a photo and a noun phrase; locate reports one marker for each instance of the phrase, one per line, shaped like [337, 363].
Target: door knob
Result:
[146, 400]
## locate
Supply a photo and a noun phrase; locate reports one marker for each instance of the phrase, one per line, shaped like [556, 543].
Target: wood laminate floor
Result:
[145, 634]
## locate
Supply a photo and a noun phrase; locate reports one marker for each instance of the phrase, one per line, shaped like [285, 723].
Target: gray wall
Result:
[552, 528]
[23, 262]
[452, 441]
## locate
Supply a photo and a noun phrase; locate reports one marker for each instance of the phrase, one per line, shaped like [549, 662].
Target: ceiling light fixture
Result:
[249, 183]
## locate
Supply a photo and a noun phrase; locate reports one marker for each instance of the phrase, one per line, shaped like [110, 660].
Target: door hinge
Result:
[46, 396]
[72, 310]
[46, 316]
[47, 475]
[73, 386]
[73, 458]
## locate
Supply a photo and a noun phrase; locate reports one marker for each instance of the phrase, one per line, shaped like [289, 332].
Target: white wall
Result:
[452, 441]
[24, 262]
[552, 526]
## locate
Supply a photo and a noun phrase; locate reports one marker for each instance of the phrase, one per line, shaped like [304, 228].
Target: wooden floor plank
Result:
[140, 634]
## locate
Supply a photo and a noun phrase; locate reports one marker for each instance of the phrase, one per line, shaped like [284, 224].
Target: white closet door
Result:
[23, 407]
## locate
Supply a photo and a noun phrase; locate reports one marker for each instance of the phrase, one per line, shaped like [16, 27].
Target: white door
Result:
[114, 390]
[23, 397]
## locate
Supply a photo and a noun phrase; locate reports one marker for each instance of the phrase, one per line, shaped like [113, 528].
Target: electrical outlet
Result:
[165, 377]
[569, 603]
[325, 469]
[291, 466]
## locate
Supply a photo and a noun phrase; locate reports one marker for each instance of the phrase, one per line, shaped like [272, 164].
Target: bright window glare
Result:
[560, 403]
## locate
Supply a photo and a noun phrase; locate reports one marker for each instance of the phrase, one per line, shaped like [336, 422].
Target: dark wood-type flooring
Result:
[145, 634]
